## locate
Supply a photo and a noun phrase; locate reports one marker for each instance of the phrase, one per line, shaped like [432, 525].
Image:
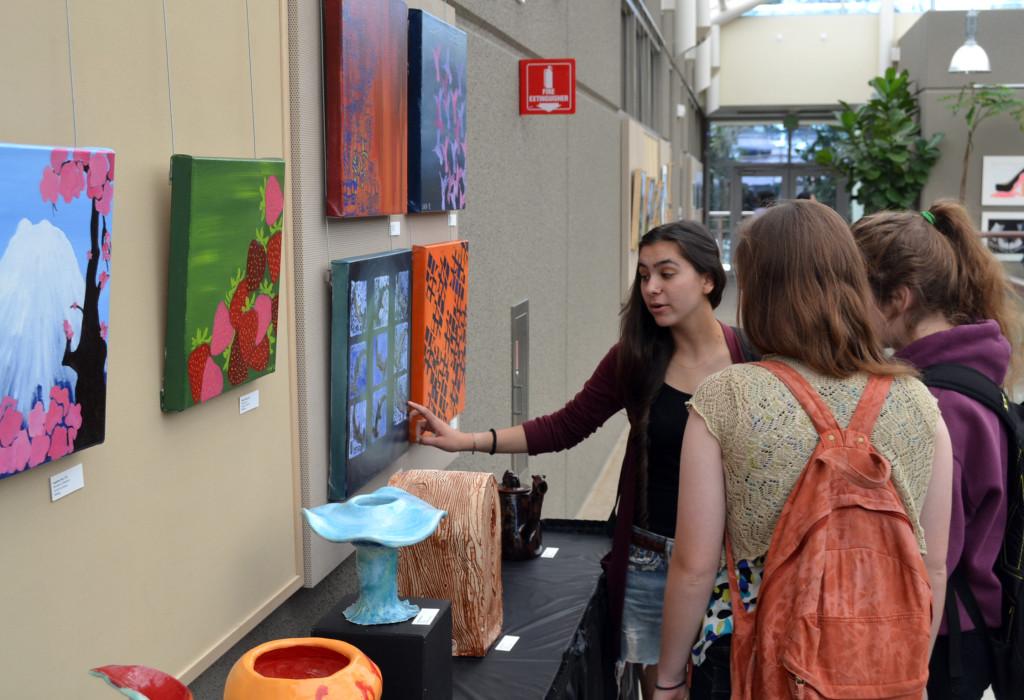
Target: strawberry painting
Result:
[227, 218]
[56, 219]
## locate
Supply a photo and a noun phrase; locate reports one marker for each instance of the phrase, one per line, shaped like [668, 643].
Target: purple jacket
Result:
[979, 458]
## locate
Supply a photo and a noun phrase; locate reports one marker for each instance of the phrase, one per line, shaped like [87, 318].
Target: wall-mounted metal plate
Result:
[520, 348]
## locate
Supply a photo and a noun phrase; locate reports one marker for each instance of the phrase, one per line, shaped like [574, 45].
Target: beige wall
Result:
[185, 532]
[808, 60]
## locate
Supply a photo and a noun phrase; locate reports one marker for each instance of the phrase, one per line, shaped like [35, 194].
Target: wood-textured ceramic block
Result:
[461, 561]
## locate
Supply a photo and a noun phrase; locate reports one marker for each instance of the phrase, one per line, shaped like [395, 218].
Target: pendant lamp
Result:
[970, 58]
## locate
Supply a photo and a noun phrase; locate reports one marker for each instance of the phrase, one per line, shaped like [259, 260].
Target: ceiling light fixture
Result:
[970, 58]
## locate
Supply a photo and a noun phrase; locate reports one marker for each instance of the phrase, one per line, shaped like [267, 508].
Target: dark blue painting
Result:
[369, 367]
[437, 114]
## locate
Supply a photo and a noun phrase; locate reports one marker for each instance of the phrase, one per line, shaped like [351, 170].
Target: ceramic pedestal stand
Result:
[377, 524]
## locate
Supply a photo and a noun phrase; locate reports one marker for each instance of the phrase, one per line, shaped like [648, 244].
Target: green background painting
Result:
[224, 276]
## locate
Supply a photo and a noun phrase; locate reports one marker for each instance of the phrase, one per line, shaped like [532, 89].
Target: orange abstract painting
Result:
[440, 301]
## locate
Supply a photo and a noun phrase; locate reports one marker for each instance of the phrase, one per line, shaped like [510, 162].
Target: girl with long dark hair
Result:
[669, 342]
[943, 298]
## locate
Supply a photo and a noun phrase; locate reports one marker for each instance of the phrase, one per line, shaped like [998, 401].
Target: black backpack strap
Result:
[972, 384]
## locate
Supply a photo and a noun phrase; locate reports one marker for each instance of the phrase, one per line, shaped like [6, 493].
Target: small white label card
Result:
[425, 616]
[549, 553]
[396, 228]
[453, 218]
[506, 643]
[248, 402]
[68, 481]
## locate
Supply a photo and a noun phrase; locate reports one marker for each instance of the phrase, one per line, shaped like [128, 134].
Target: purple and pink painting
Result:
[437, 114]
[56, 207]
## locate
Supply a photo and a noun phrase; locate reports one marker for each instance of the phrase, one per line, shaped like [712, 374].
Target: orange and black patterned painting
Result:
[365, 77]
[440, 296]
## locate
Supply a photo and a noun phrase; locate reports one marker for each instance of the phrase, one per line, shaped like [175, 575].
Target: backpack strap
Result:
[809, 399]
[870, 404]
[974, 385]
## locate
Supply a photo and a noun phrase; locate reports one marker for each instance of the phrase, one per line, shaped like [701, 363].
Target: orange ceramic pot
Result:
[304, 669]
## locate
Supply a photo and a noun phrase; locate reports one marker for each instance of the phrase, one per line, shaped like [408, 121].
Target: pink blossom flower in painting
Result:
[10, 421]
[7, 461]
[103, 329]
[110, 165]
[21, 451]
[88, 255]
[72, 180]
[98, 168]
[73, 417]
[60, 445]
[105, 199]
[106, 246]
[68, 331]
[274, 200]
[103, 279]
[54, 415]
[37, 421]
[40, 448]
[57, 158]
[49, 186]
[61, 395]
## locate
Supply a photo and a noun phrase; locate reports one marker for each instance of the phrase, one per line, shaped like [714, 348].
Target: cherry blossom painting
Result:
[437, 114]
[224, 278]
[56, 221]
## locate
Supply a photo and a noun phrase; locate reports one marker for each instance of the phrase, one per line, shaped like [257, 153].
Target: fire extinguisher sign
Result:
[547, 86]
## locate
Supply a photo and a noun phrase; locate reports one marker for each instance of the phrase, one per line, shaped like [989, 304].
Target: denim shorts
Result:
[641, 611]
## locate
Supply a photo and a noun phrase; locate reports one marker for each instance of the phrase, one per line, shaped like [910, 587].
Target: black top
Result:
[664, 440]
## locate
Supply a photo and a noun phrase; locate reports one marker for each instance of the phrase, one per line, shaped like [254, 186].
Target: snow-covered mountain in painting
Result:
[41, 287]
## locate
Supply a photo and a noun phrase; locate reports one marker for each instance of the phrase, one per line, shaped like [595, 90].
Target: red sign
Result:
[547, 86]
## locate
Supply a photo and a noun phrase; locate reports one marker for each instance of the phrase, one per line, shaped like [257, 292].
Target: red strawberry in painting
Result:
[256, 264]
[246, 340]
[261, 355]
[238, 369]
[197, 362]
[274, 256]
[238, 303]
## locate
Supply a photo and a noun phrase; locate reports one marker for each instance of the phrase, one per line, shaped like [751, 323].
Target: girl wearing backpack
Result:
[943, 299]
[826, 611]
[669, 342]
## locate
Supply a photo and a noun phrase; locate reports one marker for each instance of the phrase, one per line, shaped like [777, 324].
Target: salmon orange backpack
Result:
[844, 609]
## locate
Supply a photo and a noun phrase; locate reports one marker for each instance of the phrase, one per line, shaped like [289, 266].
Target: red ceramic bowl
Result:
[304, 669]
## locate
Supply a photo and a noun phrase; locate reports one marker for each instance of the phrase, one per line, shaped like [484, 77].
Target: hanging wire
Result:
[167, 56]
[71, 74]
[252, 84]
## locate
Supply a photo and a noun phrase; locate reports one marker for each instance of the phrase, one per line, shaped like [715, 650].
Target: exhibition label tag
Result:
[426, 616]
[506, 643]
[549, 553]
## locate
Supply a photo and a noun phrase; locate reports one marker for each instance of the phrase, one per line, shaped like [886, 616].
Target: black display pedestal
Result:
[415, 660]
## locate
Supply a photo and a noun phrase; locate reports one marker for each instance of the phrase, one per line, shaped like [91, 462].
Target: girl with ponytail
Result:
[943, 298]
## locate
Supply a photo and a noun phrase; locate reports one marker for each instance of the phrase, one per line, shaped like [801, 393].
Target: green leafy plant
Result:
[978, 103]
[879, 148]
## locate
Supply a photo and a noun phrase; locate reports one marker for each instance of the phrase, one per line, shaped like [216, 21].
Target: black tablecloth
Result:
[557, 608]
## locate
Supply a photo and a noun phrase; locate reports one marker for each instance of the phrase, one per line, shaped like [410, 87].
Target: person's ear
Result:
[708, 285]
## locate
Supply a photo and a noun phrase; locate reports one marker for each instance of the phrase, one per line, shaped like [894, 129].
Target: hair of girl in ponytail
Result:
[945, 266]
[985, 292]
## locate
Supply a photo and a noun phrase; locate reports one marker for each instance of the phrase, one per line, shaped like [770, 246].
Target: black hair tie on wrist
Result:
[680, 684]
[494, 440]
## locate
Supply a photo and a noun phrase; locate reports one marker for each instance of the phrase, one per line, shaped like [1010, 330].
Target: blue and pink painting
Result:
[56, 207]
[437, 114]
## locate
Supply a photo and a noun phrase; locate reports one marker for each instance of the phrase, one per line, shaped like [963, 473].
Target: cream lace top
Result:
[766, 439]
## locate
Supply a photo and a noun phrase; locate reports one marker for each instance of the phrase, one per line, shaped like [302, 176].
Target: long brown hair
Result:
[944, 265]
[645, 348]
[803, 291]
